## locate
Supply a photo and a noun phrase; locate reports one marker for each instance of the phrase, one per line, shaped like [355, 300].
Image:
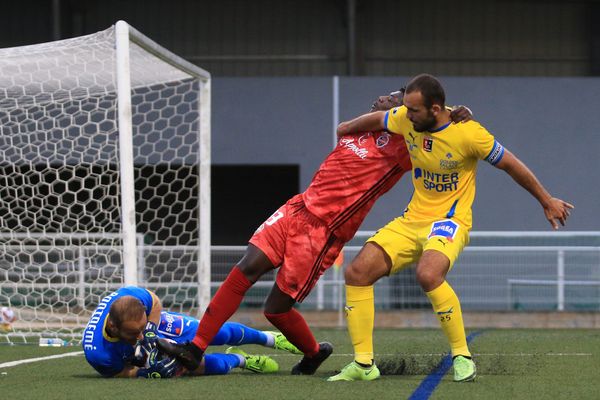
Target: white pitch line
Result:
[78, 353]
[32, 360]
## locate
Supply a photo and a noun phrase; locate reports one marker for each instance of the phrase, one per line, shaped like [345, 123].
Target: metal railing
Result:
[533, 275]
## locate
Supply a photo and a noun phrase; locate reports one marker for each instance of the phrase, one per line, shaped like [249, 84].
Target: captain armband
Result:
[495, 154]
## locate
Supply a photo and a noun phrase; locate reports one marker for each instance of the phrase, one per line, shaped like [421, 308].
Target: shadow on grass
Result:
[488, 365]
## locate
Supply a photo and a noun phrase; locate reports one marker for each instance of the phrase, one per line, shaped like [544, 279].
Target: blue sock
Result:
[220, 364]
[235, 334]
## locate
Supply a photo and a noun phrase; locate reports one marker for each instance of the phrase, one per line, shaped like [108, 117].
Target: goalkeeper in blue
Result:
[120, 339]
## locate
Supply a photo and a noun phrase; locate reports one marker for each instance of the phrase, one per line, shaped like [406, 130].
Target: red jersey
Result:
[354, 175]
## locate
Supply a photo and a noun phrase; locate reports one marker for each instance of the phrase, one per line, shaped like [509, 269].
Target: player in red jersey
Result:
[304, 236]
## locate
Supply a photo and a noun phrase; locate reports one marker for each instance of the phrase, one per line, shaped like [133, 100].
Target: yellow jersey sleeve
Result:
[395, 120]
[484, 146]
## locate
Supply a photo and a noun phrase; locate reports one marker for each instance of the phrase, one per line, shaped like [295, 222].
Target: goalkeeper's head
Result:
[127, 319]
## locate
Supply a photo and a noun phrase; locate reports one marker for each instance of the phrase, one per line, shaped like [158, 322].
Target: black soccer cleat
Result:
[308, 365]
[188, 354]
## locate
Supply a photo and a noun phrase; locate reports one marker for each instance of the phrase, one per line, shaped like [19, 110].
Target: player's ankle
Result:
[364, 365]
[270, 339]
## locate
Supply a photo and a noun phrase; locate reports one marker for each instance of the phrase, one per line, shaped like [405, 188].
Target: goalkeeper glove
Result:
[159, 369]
[148, 343]
[139, 356]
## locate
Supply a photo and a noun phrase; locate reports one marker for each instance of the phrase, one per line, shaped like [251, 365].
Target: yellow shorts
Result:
[404, 240]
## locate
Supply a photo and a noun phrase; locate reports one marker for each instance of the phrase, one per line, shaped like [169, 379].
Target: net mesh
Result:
[60, 218]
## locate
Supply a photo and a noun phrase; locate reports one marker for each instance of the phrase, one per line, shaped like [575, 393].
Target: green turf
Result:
[512, 364]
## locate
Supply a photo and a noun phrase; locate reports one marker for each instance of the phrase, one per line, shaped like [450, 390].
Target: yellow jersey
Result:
[444, 166]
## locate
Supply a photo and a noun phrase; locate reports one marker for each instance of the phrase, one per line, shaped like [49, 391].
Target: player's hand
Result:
[148, 343]
[461, 114]
[557, 210]
[160, 368]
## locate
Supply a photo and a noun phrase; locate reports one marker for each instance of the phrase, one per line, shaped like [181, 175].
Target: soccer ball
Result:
[7, 317]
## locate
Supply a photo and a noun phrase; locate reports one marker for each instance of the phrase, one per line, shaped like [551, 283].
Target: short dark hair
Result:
[431, 89]
[126, 308]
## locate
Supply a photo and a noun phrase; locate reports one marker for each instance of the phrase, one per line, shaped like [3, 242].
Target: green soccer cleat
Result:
[281, 343]
[464, 369]
[354, 372]
[258, 364]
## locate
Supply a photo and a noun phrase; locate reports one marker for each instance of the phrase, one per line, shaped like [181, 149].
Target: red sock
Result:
[295, 329]
[221, 307]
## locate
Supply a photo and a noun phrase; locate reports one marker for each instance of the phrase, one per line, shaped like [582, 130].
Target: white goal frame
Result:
[124, 34]
[64, 244]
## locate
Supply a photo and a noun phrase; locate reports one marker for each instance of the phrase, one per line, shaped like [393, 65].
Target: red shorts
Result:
[300, 244]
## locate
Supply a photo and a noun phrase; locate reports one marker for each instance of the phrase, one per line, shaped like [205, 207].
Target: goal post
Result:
[104, 178]
[128, 220]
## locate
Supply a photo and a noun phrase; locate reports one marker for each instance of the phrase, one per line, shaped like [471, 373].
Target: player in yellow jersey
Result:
[435, 226]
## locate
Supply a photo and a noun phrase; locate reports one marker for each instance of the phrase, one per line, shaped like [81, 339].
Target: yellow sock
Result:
[447, 307]
[360, 314]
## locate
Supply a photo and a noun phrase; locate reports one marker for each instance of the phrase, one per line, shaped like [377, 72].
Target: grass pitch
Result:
[511, 364]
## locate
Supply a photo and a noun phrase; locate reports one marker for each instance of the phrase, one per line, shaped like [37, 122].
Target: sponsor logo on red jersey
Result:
[382, 140]
[349, 144]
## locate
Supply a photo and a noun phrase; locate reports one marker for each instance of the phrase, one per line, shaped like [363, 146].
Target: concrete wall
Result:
[312, 37]
[550, 123]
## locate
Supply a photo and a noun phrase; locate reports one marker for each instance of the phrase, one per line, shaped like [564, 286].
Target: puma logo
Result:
[446, 312]
[442, 242]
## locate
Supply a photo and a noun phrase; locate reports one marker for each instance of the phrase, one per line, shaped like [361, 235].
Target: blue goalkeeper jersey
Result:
[110, 355]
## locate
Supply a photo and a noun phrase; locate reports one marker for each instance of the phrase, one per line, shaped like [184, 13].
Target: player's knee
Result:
[428, 279]
[218, 364]
[367, 268]
[357, 275]
[272, 307]
[228, 331]
[371, 264]
[251, 269]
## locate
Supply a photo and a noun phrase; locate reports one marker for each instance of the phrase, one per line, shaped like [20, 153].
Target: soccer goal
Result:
[104, 178]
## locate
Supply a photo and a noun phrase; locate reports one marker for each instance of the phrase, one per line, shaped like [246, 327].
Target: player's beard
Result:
[427, 124]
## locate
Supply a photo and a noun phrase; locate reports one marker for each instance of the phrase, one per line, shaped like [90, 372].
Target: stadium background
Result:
[530, 70]
[526, 68]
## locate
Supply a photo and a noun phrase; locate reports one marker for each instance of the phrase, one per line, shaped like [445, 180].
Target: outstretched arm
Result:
[370, 122]
[156, 309]
[375, 120]
[554, 209]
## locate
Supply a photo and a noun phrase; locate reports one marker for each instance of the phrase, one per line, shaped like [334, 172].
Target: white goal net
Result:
[104, 179]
